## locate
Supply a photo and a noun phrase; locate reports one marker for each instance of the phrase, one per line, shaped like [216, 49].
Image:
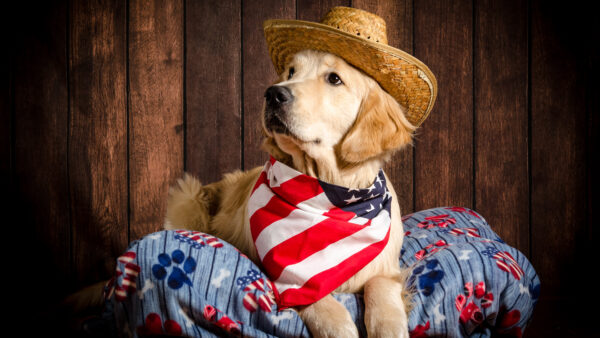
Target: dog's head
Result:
[325, 115]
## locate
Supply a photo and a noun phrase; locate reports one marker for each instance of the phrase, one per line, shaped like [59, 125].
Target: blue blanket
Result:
[467, 282]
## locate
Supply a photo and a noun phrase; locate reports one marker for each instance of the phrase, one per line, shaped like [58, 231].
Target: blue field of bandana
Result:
[365, 203]
[467, 282]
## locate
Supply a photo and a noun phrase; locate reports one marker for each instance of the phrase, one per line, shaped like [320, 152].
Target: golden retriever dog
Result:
[330, 121]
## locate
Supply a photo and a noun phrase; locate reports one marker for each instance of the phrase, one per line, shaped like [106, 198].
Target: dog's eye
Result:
[334, 79]
[291, 72]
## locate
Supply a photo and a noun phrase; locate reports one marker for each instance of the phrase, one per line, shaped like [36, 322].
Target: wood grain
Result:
[98, 136]
[563, 106]
[258, 72]
[558, 147]
[155, 109]
[315, 10]
[444, 143]
[501, 119]
[592, 55]
[213, 88]
[399, 23]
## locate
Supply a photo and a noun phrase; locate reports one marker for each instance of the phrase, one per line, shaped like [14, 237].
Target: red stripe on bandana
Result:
[301, 246]
[298, 189]
[270, 213]
[327, 281]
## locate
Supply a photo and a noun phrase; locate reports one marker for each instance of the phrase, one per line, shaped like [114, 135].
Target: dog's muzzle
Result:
[278, 99]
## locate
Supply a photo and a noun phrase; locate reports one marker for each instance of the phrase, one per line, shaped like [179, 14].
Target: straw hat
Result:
[360, 38]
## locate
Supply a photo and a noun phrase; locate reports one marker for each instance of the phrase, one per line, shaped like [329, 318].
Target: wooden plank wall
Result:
[106, 103]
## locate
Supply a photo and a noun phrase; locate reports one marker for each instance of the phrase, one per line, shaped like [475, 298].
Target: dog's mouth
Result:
[275, 125]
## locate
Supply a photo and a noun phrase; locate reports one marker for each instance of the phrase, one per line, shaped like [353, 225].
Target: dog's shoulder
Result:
[236, 186]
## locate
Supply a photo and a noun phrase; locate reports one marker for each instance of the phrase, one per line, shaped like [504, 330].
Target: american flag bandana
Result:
[312, 236]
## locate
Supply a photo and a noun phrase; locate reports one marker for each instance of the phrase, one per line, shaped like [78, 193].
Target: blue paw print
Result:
[177, 277]
[427, 280]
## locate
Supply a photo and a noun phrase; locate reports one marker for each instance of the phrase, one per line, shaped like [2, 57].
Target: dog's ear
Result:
[380, 128]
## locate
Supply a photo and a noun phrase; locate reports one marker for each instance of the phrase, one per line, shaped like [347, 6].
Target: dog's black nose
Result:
[278, 96]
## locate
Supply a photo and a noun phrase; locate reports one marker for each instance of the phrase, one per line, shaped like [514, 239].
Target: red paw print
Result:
[226, 323]
[461, 209]
[508, 320]
[431, 249]
[472, 312]
[419, 331]
[471, 232]
[440, 221]
[154, 326]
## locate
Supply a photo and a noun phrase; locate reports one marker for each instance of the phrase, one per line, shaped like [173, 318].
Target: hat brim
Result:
[402, 75]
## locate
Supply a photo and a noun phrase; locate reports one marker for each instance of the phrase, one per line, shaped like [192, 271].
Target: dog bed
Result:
[467, 282]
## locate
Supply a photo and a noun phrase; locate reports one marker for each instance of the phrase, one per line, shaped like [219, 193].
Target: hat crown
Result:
[357, 22]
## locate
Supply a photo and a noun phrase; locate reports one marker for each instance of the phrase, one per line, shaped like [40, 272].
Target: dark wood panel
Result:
[592, 103]
[557, 318]
[155, 109]
[213, 88]
[12, 40]
[258, 71]
[41, 204]
[444, 143]
[308, 10]
[6, 104]
[399, 23]
[98, 136]
[501, 118]
[559, 35]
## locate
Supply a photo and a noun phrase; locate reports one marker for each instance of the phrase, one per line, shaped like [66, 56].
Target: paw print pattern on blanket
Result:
[465, 210]
[471, 232]
[472, 312]
[178, 277]
[508, 321]
[212, 314]
[197, 239]
[154, 326]
[123, 283]
[431, 249]
[450, 263]
[252, 284]
[440, 221]
[420, 331]
[427, 280]
[505, 262]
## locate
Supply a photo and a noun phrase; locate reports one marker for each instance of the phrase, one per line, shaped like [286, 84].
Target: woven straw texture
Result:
[360, 38]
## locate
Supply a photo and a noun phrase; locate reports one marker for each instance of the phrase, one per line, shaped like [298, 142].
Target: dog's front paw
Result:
[328, 318]
[336, 330]
[385, 311]
[386, 325]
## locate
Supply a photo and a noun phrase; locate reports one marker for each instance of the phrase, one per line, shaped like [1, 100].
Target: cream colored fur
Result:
[341, 134]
